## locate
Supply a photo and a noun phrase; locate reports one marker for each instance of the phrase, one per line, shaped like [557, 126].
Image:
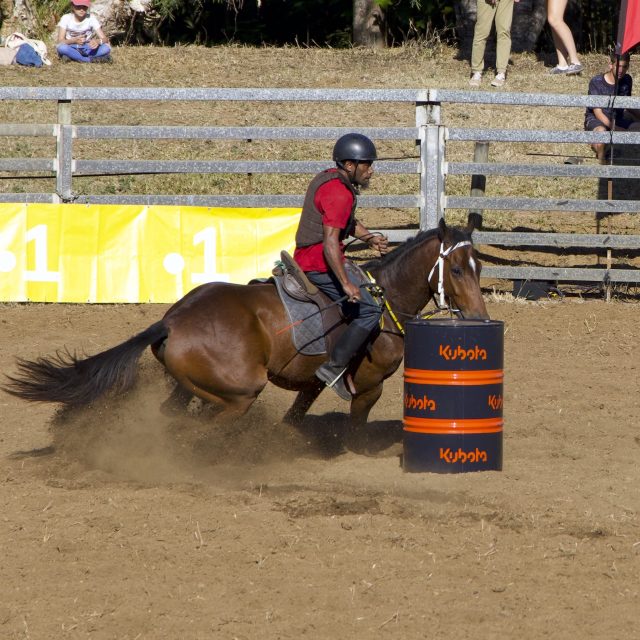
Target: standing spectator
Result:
[500, 11]
[80, 36]
[610, 119]
[568, 63]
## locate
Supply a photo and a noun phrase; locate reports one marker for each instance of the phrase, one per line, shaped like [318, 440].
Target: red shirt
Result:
[335, 202]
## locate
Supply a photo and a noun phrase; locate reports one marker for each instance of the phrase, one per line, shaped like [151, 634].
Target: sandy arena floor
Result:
[118, 523]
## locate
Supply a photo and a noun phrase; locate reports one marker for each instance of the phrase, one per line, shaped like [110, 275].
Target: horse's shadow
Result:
[330, 435]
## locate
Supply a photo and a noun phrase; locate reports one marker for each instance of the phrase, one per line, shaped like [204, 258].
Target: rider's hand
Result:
[379, 243]
[352, 291]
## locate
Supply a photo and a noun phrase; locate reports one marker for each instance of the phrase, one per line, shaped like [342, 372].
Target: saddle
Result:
[316, 322]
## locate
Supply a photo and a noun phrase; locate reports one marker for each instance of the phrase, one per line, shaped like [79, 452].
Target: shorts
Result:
[591, 122]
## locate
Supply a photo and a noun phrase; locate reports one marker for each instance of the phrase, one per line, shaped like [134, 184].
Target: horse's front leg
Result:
[302, 404]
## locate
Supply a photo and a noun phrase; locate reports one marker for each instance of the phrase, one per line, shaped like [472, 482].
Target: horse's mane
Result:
[395, 257]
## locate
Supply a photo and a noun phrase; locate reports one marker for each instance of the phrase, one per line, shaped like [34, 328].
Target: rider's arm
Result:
[333, 256]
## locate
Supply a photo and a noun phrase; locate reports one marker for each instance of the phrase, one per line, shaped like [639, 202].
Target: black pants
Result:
[365, 314]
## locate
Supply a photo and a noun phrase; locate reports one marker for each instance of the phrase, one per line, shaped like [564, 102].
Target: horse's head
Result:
[456, 273]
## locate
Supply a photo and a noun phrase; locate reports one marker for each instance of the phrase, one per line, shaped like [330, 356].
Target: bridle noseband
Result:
[439, 264]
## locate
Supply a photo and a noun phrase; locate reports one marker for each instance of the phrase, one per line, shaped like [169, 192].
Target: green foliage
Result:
[409, 20]
[47, 14]
[313, 23]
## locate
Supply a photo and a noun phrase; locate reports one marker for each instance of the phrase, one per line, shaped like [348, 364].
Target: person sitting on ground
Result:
[80, 36]
[610, 119]
[328, 217]
[488, 12]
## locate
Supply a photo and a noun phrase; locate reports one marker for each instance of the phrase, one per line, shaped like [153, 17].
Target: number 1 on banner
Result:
[207, 237]
[38, 235]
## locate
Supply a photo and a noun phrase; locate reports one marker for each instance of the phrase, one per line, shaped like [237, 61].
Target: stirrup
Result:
[335, 381]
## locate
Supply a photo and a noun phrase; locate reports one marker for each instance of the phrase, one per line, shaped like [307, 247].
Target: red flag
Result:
[628, 26]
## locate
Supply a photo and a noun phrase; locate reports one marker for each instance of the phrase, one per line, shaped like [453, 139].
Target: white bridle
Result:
[439, 264]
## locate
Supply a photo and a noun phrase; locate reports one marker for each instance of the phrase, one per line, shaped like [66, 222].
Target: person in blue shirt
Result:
[610, 118]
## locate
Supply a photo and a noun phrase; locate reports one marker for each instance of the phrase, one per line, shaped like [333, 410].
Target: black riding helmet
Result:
[354, 146]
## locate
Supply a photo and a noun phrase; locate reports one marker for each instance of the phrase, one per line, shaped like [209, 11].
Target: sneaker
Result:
[64, 58]
[574, 69]
[333, 377]
[499, 80]
[557, 71]
[476, 79]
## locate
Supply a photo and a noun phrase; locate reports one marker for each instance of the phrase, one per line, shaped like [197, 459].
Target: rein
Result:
[386, 305]
[439, 264]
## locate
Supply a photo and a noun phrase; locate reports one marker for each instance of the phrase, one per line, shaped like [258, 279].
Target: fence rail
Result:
[432, 139]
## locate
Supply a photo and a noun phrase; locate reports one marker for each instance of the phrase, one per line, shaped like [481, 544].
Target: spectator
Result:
[568, 63]
[80, 36]
[610, 119]
[500, 11]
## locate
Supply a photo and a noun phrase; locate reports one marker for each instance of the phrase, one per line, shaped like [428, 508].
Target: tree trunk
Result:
[529, 18]
[368, 24]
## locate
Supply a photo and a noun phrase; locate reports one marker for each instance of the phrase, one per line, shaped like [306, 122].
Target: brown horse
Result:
[224, 342]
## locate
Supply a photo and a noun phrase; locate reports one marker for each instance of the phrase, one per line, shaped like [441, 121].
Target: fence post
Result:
[64, 153]
[478, 183]
[431, 179]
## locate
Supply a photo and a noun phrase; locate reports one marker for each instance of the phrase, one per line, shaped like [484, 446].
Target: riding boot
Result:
[332, 372]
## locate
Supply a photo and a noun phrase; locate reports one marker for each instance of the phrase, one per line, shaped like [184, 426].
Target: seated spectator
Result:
[610, 119]
[80, 36]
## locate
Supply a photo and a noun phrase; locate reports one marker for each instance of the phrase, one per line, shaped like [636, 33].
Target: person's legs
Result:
[102, 52]
[72, 52]
[562, 36]
[504, 17]
[484, 20]
[593, 124]
[354, 337]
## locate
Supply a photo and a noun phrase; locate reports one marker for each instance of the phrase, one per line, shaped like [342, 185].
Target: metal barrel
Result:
[453, 395]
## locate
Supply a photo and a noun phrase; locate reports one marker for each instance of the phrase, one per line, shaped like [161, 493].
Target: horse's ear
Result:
[442, 229]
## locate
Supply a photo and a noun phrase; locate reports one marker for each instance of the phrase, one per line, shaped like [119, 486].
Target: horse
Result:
[224, 342]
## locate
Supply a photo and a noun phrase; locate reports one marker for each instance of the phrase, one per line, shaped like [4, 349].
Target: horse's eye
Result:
[456, 271]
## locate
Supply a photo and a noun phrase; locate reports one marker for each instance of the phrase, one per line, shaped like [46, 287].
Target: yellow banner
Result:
[111, 253]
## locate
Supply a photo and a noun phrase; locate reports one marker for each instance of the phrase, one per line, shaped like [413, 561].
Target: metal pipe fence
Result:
[431, 136]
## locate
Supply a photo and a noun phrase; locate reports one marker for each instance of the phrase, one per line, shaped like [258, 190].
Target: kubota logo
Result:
[495, 402]
[422, 404]
[462, 456]
[459, 353]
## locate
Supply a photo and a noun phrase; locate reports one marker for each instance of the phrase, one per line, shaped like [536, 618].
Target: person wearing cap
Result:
[80, 36]
[328, 217]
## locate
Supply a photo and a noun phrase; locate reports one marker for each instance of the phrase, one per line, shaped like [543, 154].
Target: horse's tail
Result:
[73, 380]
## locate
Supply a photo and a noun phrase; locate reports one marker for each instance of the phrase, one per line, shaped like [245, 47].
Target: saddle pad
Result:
[307, 334]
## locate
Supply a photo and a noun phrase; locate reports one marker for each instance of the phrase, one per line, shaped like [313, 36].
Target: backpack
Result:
[16, 40]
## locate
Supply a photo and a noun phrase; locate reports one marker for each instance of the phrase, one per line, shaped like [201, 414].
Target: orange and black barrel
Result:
[453, 395]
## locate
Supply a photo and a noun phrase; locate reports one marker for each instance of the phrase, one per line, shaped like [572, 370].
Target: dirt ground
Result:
[118, 523]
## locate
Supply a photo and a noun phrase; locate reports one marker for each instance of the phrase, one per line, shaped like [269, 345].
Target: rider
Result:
[328, 217]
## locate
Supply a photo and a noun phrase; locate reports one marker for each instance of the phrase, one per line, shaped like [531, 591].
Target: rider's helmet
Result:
[354, 146]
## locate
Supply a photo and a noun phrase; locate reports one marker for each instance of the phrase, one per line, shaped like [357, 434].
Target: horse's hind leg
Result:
[227, 408]
[177, 402]
[302, 404]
